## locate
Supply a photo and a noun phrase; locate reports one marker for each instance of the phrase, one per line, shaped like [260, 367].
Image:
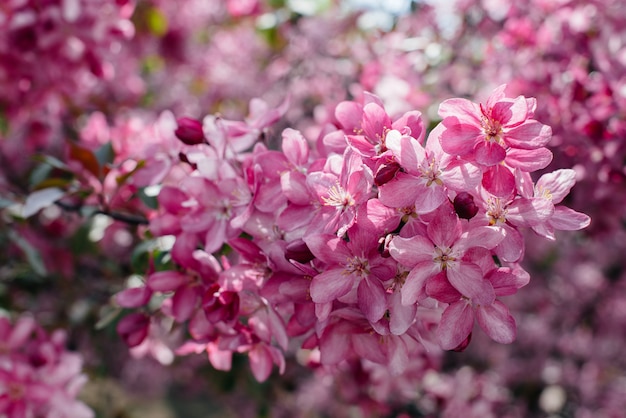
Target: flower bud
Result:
[298, 251]
[386, 173]
[464, 205]
[189, 131]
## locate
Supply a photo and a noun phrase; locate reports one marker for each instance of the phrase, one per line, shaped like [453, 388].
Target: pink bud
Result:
[298, 250]
[133, 329]
[386, 173]
[464, 205]
[189, 131]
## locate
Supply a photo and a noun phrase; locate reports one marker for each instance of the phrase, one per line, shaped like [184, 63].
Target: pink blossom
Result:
[339, 195]
[443, 250]
[427, 173]
[502, 130]
[354, 266]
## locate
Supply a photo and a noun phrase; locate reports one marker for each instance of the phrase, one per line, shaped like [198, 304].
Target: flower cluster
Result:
[56, 50]
[371, 241]
[38, 376]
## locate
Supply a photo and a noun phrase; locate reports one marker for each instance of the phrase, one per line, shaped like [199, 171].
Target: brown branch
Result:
[118, 216]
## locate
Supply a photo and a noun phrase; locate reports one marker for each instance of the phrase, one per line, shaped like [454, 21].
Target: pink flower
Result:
[427, 173]
[551, 188]
[499, 131]
[353, 265]
[339, 195]
[442, 250]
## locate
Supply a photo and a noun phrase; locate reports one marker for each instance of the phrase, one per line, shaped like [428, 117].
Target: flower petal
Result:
[497, 322]
[456, 324]
[330, 285]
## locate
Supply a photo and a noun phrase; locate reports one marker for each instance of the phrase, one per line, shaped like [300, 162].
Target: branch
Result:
[122, 217]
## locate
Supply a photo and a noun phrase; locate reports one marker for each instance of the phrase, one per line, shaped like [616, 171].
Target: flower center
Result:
[491, 127]
[541, 192]
[431, 172]
[358, 266]
[338, 197]
[496, 211]
[444, 257]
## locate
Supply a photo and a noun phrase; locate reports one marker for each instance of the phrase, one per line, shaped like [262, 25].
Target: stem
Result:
[118, 216]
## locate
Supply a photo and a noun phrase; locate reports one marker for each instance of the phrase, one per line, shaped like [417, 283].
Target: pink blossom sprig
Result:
[38, 376]
[347, 241]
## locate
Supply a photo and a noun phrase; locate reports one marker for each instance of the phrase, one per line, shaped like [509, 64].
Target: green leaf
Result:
[39, 174]
[149, 201]
[4, 124]
[105, 154]
[108, 316]
[32, 254]
[140, 258]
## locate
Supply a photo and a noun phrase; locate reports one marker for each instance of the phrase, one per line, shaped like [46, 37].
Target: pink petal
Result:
[510, 112]
[489, 153]
[261, 362]
[558, 183]
[496, 95]
[328, 248]
[401, 316]
[133, 297]
[371, 299]
[293, 184]
[133, 328]
[529, 160]
[461, 176]
[458, 138]
[480, 236]
[461, 109]
[368, 346]
[505, 282]
[219, 359]
[21, 332]
[413, 121]
[377, 217]
[361, 145]
[499, 181]
[529, 212]
[277, 327]
[511, 248]
[172, 199]
[330, 285]
[497, 322]
[430, 198]
[399, 192]
[412, 290]
[456, 324]
[445, 226]
[468, 279]
[215, 235]
[438, 287]
[184, 303]
[335, 344]
[397, 356]
[164, 281]
[407, 151]
[529, 135]
[375, 121]
[411, 251]
[566, 219]
[349, 115]
[295, 147]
